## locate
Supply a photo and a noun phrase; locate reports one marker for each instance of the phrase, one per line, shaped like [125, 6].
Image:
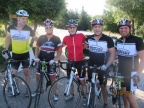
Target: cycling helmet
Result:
[48, 22]
[97, 22]
[22, 13]
[125, 22]
[72, 22]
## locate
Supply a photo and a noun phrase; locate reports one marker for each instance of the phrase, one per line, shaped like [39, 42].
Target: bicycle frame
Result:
[72, 74]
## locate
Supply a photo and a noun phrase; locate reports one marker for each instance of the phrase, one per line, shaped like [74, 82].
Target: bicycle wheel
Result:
[38, 92]
[92, 103]
[119, 101]
[22, 97]
[61, 84]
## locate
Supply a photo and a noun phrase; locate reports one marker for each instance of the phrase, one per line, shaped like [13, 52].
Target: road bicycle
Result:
[64, 86]
[16, 91]
[43, 74]
[94, 88]
[115, 87]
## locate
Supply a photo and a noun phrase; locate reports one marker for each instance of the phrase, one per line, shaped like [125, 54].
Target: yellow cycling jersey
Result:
[20, 39]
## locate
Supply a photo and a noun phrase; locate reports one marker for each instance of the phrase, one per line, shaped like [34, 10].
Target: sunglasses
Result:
[47, 27]
[74, 27]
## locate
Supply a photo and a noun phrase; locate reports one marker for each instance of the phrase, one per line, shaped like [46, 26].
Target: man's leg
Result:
[105, 93]
[125, 100]
[83, 83]
[27, 75]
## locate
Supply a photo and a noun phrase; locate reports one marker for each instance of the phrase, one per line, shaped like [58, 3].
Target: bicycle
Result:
[94, 88]
[39, 89]
[16, 91]
[115, 87]
[64, 85]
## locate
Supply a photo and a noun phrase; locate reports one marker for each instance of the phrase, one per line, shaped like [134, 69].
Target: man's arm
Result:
[141, 64]
[59, 52]
[7, 41]
[112, 56]
[37, 51]
[35, 38]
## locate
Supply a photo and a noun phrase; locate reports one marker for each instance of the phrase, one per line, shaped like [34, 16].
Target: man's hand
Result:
[104, 67]
[5, 54]
[36, 59]
[51, 62]
[136, 79]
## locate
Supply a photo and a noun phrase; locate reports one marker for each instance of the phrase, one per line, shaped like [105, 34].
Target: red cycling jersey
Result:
[75, 46]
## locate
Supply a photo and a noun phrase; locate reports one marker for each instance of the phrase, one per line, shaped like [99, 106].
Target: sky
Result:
[92, 7]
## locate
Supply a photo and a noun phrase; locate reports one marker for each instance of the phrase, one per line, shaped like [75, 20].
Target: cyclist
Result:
[99, 45]
[74, 42]
[130, 49]
[20, 34]
[46, 47]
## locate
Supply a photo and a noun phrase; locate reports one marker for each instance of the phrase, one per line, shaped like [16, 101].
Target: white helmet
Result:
[22, 13]
[125, 22]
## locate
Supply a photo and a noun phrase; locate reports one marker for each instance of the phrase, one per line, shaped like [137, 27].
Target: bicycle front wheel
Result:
[60, 87]
[92, 97]
[21, 95]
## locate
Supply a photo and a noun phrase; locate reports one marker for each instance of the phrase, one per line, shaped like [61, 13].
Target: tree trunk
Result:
[5, 27]
[10, 19]
[133, 30]
[35, 26]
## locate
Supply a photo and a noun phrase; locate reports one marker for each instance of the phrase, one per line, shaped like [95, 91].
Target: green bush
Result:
[2, 33]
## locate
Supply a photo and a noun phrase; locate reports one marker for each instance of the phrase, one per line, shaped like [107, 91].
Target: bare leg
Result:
[105, 93]
[83, 83]
[27, 75]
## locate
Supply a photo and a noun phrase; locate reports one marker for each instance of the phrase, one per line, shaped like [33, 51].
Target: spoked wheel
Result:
[22, 93]
[60, 85]
[38, 93]
[92, 102]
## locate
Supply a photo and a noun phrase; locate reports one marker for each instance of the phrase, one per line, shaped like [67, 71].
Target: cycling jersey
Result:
[127, 57]
[75, 46]
[48, 47]
[127, 54]
[98, 49]
[20, 39]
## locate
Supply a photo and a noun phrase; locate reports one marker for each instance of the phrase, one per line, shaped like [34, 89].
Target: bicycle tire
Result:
[38, 92]
[119, 100]
[92, 103]
[61, 102]
[20, 89]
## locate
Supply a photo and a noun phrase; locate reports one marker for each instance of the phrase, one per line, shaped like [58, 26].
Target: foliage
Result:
[132, 8]
[39, 10]
[84, 21]
[65, 16]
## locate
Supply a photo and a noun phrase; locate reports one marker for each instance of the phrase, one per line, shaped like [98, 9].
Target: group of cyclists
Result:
[102, 51]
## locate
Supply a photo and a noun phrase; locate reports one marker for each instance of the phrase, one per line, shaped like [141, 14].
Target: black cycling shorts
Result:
[24, 56]
[101, 74]
[78, 65]
[126, 81]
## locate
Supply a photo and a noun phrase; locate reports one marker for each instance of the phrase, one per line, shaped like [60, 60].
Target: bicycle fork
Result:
[69, 83]
[12, 83]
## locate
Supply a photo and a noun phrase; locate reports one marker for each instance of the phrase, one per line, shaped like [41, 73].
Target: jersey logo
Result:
[95, 48]
[18, 37]
[123, 52]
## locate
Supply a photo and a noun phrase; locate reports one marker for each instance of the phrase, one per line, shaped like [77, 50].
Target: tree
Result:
[133, 8]
[84, 21]
[39, 10]
[65, 16]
